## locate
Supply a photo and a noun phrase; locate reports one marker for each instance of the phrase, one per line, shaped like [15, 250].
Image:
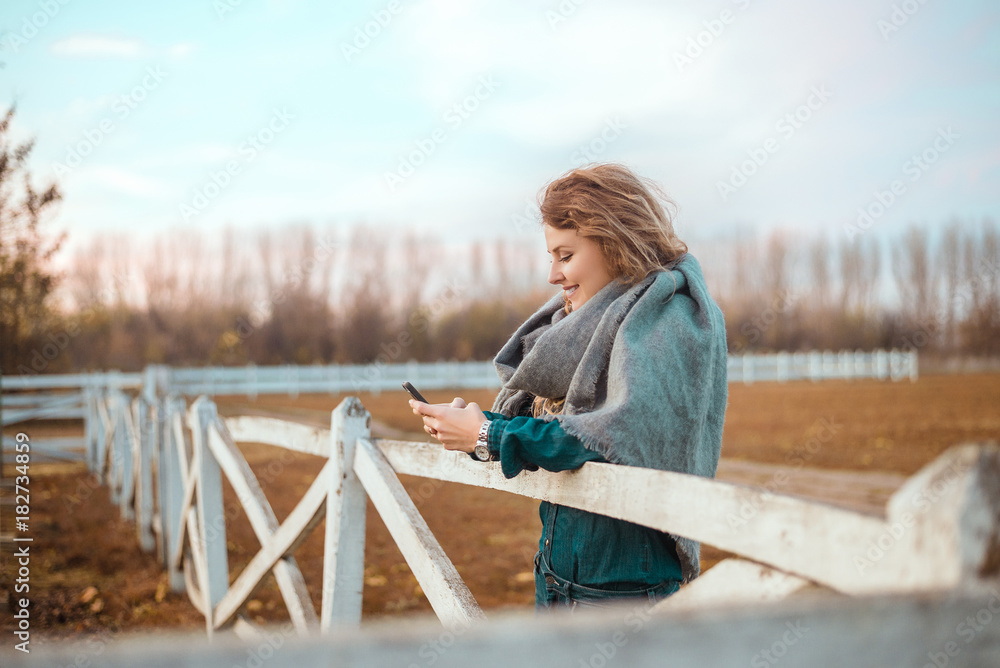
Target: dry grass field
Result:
[88, 574]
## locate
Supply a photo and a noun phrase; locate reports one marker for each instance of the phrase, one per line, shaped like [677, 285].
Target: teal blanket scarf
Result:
[643, 371]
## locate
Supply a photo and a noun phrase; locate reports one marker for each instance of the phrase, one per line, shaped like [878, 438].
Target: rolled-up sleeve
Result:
[529, 443]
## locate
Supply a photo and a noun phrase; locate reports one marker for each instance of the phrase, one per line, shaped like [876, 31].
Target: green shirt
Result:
[585, 548]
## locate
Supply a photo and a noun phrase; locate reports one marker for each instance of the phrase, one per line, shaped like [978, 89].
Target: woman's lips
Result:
[568, 292]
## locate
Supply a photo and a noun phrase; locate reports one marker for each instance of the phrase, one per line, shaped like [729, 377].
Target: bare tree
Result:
[914, 281]
[26, 279]
[950, 259]
[869, 270]
[820, 273]
[364, 317]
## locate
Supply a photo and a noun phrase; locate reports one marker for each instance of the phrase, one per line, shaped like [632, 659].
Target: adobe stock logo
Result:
[31, 25]
[363, 35]
[221, 179]
[123, 107]
[698, 43]
[454, 117]
[786, 127]
[914, 168]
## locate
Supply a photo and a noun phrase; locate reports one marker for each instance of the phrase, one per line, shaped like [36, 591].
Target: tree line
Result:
[296, 296]
[938, 293]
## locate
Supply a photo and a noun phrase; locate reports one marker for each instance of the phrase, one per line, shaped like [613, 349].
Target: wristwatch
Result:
[482, 450]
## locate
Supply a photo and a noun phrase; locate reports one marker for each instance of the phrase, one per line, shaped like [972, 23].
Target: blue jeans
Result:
[554, 592]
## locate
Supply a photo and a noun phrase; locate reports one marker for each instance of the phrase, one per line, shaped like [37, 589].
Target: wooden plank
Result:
[947, 517]
[346, 504]
[126, 450]
[284, 434]
[954, 631]
[441, 583]
[264, 524]
[113, 379]
[58, 407]
[39, 399]
[296, 527]
[211, 538]
[189, 477]
[90, 429]
[161, 426]
[121, 451]
[196, 583]
[173, 468]
[47, 451]
[144, 474]
[65, 447]
[104, 443]
[733, 582]
[808, 539]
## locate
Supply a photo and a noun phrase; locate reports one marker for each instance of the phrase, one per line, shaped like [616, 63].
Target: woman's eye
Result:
[565, 258]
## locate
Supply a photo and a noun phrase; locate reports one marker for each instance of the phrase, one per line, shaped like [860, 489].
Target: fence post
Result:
[90, 426]
[346, 503]
[953, 505]
[144, 473]
[130, 457]
[815, 369]
[171, 486]
[211, 538]
[101, 447]
[881, 364]
[121, 455]
[747, 368]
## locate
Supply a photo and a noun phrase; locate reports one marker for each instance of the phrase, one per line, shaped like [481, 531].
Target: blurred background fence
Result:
[62, 396]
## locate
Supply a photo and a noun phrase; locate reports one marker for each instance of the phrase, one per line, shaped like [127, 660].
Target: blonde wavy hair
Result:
[629, 217]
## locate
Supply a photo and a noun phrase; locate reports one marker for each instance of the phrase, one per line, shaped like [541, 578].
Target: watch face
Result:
[482, 453]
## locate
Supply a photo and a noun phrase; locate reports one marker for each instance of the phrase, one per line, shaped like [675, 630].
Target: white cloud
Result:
[180, 51]
[98, 46]
[188, 156]
[127, 182]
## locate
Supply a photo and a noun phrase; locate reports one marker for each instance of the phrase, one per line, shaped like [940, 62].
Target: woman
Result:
[627, 366]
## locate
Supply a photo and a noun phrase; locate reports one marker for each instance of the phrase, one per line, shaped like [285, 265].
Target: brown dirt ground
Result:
[88, 574]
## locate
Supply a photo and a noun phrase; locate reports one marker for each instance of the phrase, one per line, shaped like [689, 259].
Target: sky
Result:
[448, 117]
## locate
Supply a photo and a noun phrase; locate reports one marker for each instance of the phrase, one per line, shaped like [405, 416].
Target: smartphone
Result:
[413, 392]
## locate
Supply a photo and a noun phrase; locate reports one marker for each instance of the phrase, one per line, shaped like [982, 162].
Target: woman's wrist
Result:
[481, 450]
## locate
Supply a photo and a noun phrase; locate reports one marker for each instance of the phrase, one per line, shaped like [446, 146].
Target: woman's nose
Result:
[555, 274]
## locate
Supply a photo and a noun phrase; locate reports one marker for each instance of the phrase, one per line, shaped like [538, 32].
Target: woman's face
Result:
[577, 265]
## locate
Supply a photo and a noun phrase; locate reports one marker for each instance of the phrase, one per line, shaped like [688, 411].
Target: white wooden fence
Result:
[844, 365]
[164, 462]
[71, 405]
[62, 396]
[164, 459]
[254, 380]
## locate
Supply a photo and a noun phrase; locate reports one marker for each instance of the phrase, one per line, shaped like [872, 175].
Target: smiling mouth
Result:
[568, 292]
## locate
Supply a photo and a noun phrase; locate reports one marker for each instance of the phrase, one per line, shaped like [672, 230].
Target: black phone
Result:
[413, 392]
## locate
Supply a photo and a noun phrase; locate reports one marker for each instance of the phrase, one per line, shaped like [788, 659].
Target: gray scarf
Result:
[642, 369]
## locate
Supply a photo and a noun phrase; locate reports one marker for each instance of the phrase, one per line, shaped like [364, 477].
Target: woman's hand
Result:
[456, 424]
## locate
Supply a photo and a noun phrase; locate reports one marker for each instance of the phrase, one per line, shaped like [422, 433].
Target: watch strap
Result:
[482, 449]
